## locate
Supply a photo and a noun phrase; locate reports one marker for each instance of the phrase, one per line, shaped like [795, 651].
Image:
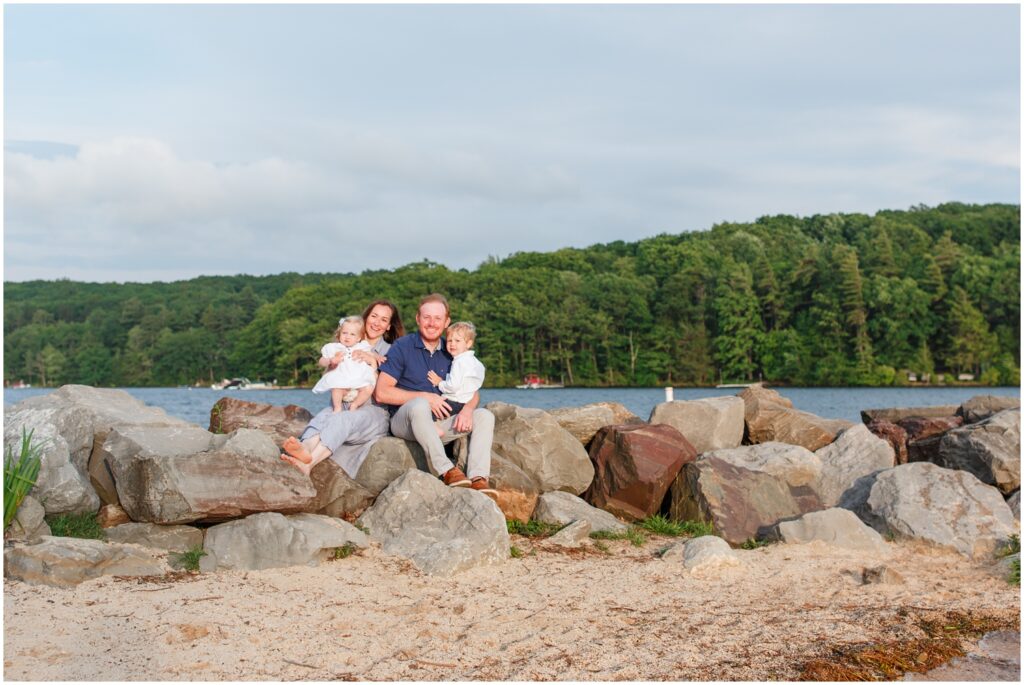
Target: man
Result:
[417, 409]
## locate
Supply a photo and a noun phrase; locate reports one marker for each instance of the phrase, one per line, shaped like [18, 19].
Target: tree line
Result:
[838, 299]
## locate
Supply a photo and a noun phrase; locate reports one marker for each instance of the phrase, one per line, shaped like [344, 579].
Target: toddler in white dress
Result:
[349, 376]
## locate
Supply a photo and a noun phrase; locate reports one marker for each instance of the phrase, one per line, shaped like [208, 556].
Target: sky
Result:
[147, 142]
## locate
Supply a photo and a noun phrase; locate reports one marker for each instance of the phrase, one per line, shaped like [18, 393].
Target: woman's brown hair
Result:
[396, 330]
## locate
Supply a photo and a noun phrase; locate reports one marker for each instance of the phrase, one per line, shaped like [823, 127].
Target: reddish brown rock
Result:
[925, 449]
[739, 503]
[517, 492]
[771, 417]
[112, 515]
[280, 423]
[893, 434]
[635, 466]
[921, 427]
[338, 495]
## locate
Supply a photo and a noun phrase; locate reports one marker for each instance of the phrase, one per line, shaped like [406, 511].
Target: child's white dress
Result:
[349, 373]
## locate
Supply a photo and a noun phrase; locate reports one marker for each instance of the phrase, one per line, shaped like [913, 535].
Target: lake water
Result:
[193, 404]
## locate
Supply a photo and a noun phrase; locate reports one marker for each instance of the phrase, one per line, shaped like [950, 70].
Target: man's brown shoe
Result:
[480, 485]
[455, 478]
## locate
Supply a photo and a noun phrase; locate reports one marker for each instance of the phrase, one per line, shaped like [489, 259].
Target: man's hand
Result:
[434, 379]
[438, 407]
[463, 421]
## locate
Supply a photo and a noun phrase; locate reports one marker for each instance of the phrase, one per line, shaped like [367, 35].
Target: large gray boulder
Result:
[64, 562]
[441, 530]
[709, 424]
[771, 417]
[922, 501]
[897, 414]
[563, 508]
[739, 503]
[337, 494]
[271, 540]
[1014, 503]
[990, 449]
[838, 527]
[573, 535]
[67, 423]
[388, 459]
[793, 464]
[29, 524]
[856, 452]
[980, 407]
[532, 440]
[155, 536]
[583, 422]
[181, 474]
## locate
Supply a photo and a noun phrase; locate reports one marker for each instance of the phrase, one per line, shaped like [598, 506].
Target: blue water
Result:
[193, 404]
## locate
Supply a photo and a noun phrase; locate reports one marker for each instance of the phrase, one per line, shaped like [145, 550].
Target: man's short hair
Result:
[467, 329]
[435, 297]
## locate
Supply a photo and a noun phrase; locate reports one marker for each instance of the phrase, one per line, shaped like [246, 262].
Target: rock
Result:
[980, 407]
[388, 459]
[793, 464]
[169, 538]
[563, 508]
[67, 423]
[167, 474]
[1014, 503]
[709, 424]
[771, 417]
[922, 501]
[28, 524]
[896, 414]
[856, 452]
[740, 503]
[280, 423]
[583, 422]
[925, 449]
[709, 555]
[441, 530]
[112, 515]
[634, 467]
[920, 427]
[338, 495]
[894, 435]
[517, 493]
[573, 535]
[64, 562]
[271, 540]
[532, 440]
[1004, 565]
[674, 552]
[990, 449]
[620, 415]
[838, 527]
[881, 575]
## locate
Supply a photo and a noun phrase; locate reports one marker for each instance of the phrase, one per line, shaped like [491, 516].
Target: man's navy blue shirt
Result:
[409, 360]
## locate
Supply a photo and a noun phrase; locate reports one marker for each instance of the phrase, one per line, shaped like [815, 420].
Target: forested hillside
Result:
[842, 299]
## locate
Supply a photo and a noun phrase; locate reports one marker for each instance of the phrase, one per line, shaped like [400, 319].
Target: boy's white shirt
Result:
[464, 378]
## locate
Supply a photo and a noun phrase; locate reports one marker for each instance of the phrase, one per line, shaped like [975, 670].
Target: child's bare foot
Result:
[305, 468]
[295, 449]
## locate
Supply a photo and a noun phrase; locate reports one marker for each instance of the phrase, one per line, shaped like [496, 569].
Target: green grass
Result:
[1012, 547]
[188, 560]
[633, 534]
[751, 543]
[76, 526]
[345, 551]
[515, 552]
[660, 525]
[532, 529]
[20, 474]
[602, 547]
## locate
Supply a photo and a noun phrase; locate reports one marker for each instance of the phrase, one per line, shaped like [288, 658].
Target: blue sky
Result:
[163, 142]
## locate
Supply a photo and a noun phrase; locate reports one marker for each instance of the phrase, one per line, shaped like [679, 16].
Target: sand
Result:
[565, 615]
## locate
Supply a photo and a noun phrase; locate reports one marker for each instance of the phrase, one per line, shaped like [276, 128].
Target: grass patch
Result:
[189, 560]
[515, 552]
[752, 543]
[532, 529]
[20, 473]
[76, 526]
[633, 534]
[345, 551]
[602, 547]
[659, 525]
[1011, 547]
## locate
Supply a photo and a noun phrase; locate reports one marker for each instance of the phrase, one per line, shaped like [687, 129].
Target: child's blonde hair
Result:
[348, 319]
[467, 329]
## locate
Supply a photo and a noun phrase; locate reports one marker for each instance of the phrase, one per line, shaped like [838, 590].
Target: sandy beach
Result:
[580, 614]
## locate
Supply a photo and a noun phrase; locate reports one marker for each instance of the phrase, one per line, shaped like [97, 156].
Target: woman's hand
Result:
[366, 357]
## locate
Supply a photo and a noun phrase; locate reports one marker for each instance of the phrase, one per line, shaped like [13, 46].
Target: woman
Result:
[347, 436]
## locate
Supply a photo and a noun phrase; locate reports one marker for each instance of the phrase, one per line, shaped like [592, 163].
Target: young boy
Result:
[467, 373]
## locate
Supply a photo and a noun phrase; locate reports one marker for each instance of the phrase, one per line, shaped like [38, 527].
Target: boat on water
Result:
[534, 382]
[243, 384]
[735, 385]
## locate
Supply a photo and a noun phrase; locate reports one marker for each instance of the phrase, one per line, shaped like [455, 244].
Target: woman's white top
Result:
[463, 379]
[349, 373]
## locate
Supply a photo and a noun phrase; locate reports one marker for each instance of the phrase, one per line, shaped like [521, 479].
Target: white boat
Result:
[734, 385]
